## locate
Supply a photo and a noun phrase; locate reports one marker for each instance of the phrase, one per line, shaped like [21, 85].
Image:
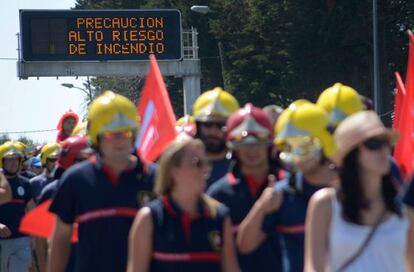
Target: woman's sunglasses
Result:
[199, 163]
[376, 144]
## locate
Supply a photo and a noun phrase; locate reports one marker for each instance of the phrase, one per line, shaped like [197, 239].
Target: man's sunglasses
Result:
[376, 144]
[213, 124]
[118, 135]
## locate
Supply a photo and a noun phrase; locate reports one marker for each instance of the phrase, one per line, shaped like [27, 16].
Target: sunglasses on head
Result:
[118, 135]
[376, 144]
[199, 163]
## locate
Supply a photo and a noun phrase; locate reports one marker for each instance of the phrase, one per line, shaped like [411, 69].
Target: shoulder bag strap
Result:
[364, 244]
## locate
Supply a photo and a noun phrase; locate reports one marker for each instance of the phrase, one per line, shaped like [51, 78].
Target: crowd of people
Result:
[312, 187]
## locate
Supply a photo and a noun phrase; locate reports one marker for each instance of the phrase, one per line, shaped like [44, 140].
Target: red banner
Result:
[403, 152]
[40, 222]
[157, 127]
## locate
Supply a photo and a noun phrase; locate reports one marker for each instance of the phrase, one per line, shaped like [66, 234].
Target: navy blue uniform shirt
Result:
[184, 243]
[38, 183]
[12, 212]
[218, 168]
[233, 190]
[289, 220]
[27, 174]
[104, 211]
[48, 192]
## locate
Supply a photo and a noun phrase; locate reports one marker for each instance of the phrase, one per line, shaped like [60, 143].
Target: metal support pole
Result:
[377, 89]
[221, 56]
[191, 86]
[89, 89]
[194, 38]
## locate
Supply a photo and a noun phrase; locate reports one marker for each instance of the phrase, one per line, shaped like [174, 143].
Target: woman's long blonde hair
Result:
[172, 157]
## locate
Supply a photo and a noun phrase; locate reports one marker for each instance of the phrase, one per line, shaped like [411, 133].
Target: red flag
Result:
[403, 152]
[409, 77]
[157, 128]
[40, 222]
[399, 98]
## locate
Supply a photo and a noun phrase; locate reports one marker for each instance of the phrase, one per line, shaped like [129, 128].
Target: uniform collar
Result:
[234, 174]
[302, 185]
[174, 210]
[96, 160]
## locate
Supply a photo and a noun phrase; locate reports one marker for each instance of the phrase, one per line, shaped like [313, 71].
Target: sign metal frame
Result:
[26, 15]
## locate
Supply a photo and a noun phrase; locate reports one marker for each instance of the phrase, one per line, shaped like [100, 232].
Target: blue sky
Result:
[32, 104]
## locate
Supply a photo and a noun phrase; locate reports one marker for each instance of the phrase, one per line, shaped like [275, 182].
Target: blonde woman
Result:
[183, 230]
[360, 226]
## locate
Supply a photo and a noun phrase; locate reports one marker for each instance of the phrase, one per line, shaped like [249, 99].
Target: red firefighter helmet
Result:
[70, 149]
[249, 125]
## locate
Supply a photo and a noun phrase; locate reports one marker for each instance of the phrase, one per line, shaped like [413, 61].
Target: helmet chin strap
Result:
[9, 174]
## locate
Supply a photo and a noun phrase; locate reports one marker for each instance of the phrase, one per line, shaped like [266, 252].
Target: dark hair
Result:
[351, 194]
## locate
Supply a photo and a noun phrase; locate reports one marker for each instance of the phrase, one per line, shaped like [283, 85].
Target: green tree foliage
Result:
[277, 51]
[283, 50]
[4, 138]
[30, 144]
[108, 4]
[131, 87]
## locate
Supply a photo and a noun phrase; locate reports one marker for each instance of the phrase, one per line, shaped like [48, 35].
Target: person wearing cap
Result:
[305, 147]
[249, 137]
[102, 194]
[48, 156]
[66, 125]
[35, 165]
[184, 229]
[72, 150]
[360, 226]
[15, 252]
[210, 111]
[25, 169]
